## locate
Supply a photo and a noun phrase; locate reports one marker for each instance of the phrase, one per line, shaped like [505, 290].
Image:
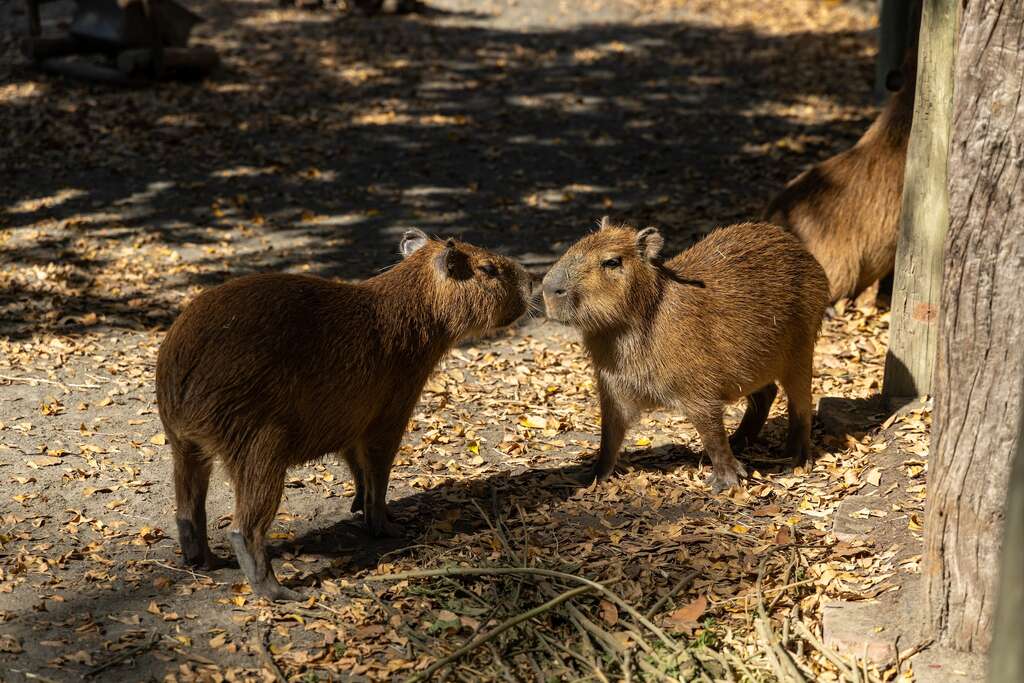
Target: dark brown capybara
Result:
[722, 320]
[846, 210]
[270, 371]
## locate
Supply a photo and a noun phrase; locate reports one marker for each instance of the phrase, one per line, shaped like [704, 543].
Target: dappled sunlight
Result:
[515, 125]
[21, 93]
[36, 204]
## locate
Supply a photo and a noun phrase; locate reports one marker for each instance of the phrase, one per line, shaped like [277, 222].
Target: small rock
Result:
[850, 627]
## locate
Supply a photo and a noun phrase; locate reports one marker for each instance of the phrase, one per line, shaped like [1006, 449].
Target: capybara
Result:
[274, 370]
[846, 210]
[723, 319]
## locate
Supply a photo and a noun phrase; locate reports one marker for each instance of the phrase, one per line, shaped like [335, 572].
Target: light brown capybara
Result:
[270, 371]
[721, 320]
[846, 210]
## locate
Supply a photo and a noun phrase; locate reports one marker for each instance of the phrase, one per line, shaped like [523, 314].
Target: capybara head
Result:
[474, 290]
[607, 277]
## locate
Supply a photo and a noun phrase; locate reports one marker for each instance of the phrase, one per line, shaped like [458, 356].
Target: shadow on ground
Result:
[323, 136]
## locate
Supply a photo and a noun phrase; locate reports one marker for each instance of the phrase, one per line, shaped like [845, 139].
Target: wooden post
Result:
[924, 219]
[979, 396]
[892, 41]
[35, 26]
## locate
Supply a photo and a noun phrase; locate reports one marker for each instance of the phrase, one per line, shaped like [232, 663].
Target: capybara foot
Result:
[384, 526]
[258, 571]
[358, 503]
[214, 562]
[726, 477]
[586, 477]
[801, 455]
[195, 549]
[275, 592]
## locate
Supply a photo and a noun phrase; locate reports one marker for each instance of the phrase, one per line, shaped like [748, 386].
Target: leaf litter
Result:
[506, 574]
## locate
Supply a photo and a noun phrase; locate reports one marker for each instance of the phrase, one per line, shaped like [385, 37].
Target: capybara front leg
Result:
[257, 497]
[615, 420]
[727, 470]
[759, 404]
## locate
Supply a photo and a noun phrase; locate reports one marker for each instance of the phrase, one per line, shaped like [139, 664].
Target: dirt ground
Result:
[515, 124]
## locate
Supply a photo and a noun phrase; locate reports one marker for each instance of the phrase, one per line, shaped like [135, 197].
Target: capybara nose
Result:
[554, 284]
[554, 291]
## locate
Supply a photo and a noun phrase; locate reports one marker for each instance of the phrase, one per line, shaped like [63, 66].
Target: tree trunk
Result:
[978, 393]
[1007, 664]
[924, 217]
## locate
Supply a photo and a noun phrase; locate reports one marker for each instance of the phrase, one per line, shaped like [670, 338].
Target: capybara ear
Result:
[649, 243]
[412, 240]
[452, 262]
[894, 80]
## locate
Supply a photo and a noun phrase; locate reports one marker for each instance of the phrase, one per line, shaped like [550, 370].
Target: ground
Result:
[515, 124]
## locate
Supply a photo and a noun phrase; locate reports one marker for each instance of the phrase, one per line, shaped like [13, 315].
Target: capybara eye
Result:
[615, 262]
[489, 269]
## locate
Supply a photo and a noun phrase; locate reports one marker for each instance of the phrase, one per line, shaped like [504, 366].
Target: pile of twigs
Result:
[534, 623]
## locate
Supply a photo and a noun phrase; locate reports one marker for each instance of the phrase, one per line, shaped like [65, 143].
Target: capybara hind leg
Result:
[759, 404]
[355, 468]
[257, 497]
[377, 454]
[797, 384]
[726, 469]
[615, 420]
[191, 482]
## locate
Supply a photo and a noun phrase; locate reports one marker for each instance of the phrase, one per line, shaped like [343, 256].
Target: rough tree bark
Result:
[924, 217]
[1007, 655]
[978, 392]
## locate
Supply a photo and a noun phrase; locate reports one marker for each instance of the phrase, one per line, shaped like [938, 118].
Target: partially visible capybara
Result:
[846, 210]
[723, 319]
[270, 371]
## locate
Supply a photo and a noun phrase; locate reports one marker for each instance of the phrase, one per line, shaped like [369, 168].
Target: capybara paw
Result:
[386, 528]
[357, 503]
[214, 562]
[277, 593]
[727, 477]
[585, 478]
[801, 456]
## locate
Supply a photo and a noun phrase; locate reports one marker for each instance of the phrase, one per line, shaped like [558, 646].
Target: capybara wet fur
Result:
[270, 371]
[846, 209]
[722, 320]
